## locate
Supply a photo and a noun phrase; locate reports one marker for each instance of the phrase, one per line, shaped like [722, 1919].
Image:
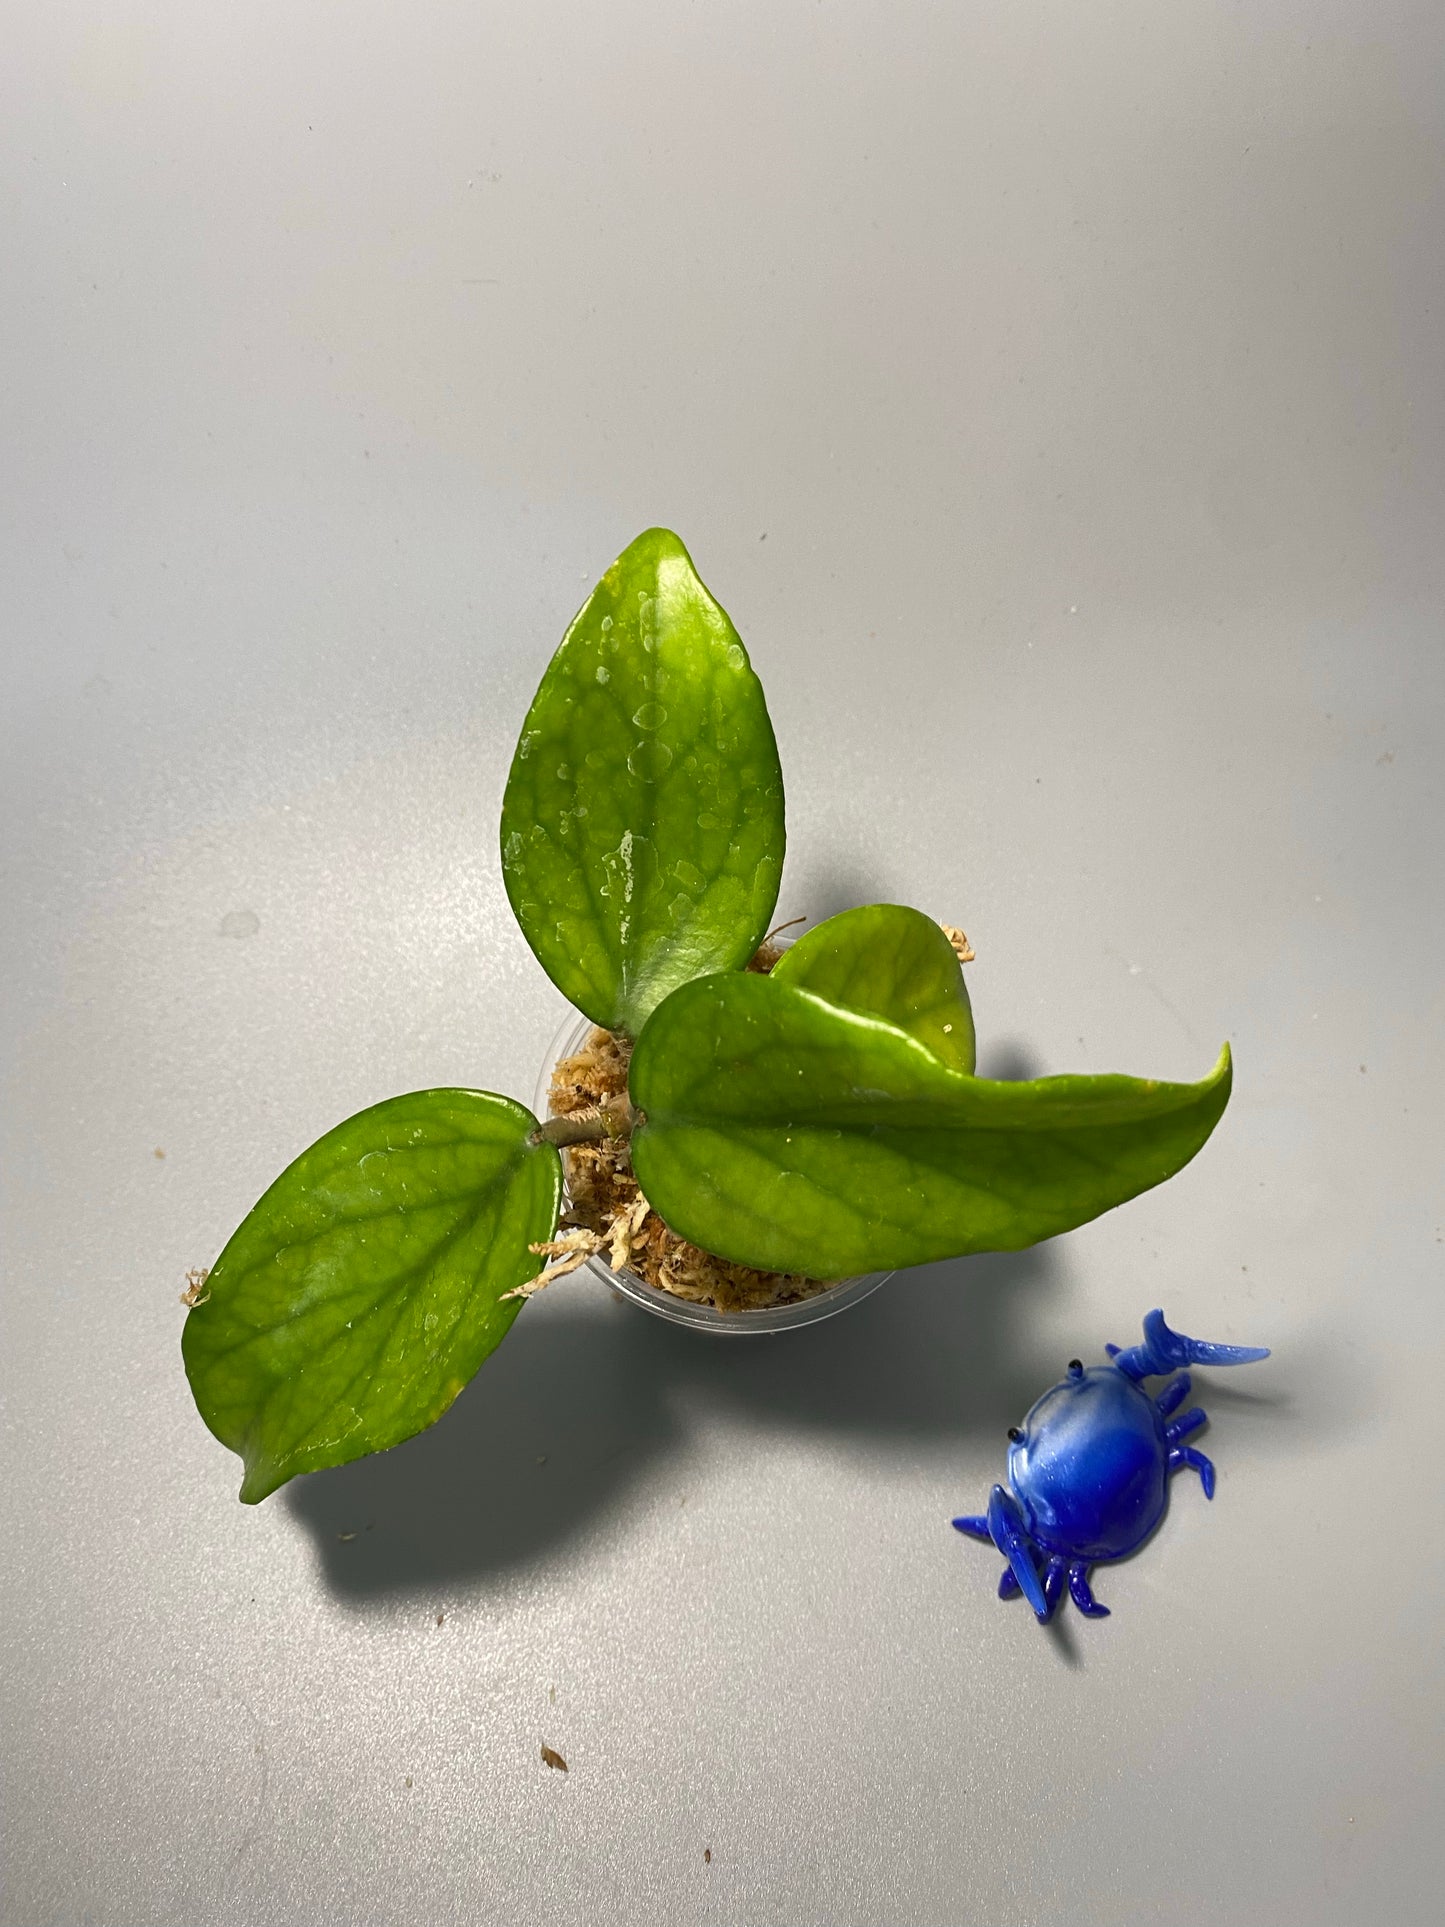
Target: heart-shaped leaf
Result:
[783, 1132]
[642, 828]
[887, 961]
[365, 1288]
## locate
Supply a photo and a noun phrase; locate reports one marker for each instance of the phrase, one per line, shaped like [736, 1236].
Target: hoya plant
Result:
[821, 1117]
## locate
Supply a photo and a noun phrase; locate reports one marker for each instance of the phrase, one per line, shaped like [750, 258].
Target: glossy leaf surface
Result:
[362, 1292]
[783, 1132]
[887, 961]
[642, 828]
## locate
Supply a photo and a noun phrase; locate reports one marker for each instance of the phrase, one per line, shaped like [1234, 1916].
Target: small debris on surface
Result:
[408, 1779]
[543, 1459]
[552, 1695]
[195, 1292]
[551, 1757]
[158, 1153]
[346, 1537]
[707, 1855]
[440, 1618]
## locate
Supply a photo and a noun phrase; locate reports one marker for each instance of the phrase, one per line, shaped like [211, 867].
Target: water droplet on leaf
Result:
[648, 760]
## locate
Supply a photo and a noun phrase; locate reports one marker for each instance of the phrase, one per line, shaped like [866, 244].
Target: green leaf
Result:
[363, 1291]
[890, 962]
[783, 1132]
[642, 827]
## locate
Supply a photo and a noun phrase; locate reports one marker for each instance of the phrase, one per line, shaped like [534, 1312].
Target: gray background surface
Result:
[1053, 394]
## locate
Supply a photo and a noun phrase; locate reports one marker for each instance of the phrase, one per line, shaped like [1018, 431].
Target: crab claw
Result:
[1165, 1351]
[1006, 1523]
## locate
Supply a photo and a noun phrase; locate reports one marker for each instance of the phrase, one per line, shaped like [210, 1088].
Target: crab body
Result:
[1089, 1468]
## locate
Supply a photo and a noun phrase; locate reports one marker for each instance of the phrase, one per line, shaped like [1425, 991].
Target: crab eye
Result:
[1015, 1434]
[1076, 1365]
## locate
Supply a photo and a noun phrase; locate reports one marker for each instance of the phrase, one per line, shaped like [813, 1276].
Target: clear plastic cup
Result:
[681, 1311]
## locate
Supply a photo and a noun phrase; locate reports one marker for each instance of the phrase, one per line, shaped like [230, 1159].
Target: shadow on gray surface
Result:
[1007, 1061]
[825, 886]
[584, 1397]
[1064, 1637]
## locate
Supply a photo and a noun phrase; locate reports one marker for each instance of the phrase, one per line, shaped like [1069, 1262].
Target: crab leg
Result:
[1006, 1524]
[1080, 1594]
[1174, 1394]
[1186, 1455]
[1164, 1350]
[1054, 1580]
[976, 1527]
[1180, 1428]
[1008, 1586]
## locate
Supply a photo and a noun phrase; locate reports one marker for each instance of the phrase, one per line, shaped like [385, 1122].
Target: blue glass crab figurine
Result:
[1090, 1467]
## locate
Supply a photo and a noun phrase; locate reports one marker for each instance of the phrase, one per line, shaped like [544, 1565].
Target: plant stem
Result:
[614, 1119]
